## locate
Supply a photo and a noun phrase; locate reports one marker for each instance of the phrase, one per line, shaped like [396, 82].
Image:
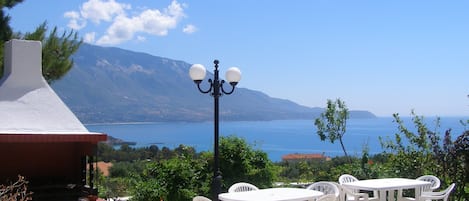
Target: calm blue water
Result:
[277, 138]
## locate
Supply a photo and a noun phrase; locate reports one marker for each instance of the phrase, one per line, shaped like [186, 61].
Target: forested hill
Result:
[115, 85]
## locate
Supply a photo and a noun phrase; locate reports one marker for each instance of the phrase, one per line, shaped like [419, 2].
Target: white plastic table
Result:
[273, 194]
[388, 185]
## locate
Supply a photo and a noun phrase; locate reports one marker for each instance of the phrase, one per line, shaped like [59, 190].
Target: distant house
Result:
[40, 138]
[305, 157]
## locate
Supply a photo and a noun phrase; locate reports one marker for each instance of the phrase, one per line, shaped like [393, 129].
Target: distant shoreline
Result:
[312, 118]
[113, 141]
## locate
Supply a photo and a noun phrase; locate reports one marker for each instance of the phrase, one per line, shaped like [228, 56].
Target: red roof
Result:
[303, 156]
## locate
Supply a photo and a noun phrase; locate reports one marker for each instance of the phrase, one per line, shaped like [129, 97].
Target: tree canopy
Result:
[333, 122]
[57, 49]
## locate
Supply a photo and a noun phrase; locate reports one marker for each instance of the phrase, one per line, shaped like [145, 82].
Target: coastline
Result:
[276, 138]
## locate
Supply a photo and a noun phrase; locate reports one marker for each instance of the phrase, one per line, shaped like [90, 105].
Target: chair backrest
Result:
[432, 179]
[442, 195]
[327, 197]
[346, 178]
[325, 187]
[242, 186]
[200, 198]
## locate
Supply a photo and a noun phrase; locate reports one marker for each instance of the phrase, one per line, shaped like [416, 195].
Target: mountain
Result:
[110, 84]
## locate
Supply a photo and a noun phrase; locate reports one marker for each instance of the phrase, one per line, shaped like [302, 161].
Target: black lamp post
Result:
[233, 75]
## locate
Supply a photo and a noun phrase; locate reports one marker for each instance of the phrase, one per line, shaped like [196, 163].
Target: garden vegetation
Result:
[151, 173]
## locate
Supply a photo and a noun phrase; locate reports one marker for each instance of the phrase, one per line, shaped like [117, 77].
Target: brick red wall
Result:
[44, 162]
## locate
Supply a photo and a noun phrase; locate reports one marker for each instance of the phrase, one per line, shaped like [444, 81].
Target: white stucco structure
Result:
[27, 103]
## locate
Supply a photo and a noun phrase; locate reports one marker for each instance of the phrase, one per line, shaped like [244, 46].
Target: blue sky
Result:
[383, 56]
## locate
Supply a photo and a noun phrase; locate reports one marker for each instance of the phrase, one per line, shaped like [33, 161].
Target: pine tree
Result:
[5, 29]
[56, 49]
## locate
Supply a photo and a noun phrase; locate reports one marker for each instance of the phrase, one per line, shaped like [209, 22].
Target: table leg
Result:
[417, 193]
[391, 196]
[382, 195]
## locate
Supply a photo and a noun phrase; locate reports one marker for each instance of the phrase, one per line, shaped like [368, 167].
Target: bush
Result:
[413, 154]
[179, 178]
[187, 174]
[239, 162]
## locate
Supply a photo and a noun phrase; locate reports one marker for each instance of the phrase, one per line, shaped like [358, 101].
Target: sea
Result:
[276, 138]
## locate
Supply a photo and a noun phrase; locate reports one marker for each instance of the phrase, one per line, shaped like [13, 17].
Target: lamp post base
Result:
[216, 186]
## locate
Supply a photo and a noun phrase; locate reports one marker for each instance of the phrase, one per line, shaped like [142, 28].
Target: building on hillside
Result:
[305, 157]
[40, 138]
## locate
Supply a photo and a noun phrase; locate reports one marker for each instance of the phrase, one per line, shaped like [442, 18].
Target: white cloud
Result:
[141, 38]
[156, 23]
[121, 30]
[151, 21]
[97, 10]
[89, 37]
[175, 9]
[188, 29]
[123, 27]
[76, 22]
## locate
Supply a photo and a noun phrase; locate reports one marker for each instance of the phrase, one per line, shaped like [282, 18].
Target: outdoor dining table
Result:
[388, 186]
[273, 194]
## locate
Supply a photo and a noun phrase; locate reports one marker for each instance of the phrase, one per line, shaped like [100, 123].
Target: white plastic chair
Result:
[347, 178]
[350, 195]
[325, 187]
[200, 198]
[241, 187]
[435, 184]
[327, 197]
[432, 179]
[442, 195]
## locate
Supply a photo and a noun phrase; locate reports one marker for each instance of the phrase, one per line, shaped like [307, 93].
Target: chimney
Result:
[27, 103]
[22, 65]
